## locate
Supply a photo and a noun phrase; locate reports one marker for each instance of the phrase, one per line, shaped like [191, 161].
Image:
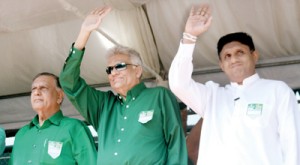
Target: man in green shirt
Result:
[2, 140]
[139, 125]
[51, 138]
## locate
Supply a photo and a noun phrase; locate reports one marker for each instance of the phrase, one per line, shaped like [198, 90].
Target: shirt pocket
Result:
[257, 115]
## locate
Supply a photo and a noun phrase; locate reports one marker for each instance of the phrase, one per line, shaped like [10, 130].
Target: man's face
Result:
[237, 61]
[45, 95]
[123, 80]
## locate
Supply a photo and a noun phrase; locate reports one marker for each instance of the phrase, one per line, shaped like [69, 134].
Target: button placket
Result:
[122, 129]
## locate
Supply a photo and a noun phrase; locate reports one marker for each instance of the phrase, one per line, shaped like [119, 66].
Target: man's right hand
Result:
[198, 21]
[91, 22]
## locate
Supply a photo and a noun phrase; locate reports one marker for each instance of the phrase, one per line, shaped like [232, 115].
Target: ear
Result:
[221, 65]
[139, 71]
[61, 95]
[255, 56]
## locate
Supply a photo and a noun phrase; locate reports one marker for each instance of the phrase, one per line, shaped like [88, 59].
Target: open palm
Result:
[199, 20]
[93, 20]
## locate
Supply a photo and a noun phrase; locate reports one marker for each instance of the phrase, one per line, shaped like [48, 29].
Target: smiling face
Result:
[237, 61]
[123, 80]
[45, 95]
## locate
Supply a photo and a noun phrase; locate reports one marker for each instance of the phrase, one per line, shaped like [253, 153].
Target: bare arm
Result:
[193, 141]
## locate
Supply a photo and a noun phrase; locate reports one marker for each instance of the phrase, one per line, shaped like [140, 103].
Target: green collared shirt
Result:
[59, 141]
[2, 140]
[144, 129]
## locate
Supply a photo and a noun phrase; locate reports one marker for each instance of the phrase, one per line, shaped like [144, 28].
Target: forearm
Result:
[82, 39]
[289, 127]
[70, 74]
[182, 67]
[175, 137]
[85, 149]
[73, 85]
[180, 73]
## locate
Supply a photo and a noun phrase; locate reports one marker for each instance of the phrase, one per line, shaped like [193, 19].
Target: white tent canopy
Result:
[35, 36]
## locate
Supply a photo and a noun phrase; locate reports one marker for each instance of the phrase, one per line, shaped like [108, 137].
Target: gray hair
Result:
[134, 56]
[56, 78]
[50, 75]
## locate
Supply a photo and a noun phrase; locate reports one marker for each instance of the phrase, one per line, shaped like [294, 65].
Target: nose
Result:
[114, 71]
[36, 92]
[234, 58]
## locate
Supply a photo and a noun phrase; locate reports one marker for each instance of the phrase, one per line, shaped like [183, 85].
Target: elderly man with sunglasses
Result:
[139, 125]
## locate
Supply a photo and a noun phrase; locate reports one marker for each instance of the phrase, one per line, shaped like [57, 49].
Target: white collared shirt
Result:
[250, 124]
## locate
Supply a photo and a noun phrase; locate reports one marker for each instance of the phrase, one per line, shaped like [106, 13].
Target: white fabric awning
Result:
[35, 36]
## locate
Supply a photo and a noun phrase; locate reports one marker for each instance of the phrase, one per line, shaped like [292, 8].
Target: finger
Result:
[106, 11]
[207, 9]
[204, 9]
[94, 11]
[198, 11]
[100, 10]
[208, 22]
[192, 11]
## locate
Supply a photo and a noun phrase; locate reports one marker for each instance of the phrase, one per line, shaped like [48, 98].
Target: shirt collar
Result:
[134, 92]
[54, 119]
[247, 81]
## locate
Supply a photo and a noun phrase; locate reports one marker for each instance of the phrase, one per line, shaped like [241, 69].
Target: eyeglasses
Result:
[118, 67]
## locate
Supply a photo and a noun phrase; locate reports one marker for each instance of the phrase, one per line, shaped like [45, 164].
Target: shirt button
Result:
[34, 146]
[122, 129]
[127, 106]
[39, 131]
[115, 153]
[73, 52]
[125, 118]
[133, 98]
[119, 140]
[29, 161]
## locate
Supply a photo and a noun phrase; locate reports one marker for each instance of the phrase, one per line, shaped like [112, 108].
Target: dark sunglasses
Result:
[118, 67]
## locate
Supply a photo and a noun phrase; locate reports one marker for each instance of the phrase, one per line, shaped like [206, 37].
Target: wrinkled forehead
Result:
[118, 58]
[43, 81]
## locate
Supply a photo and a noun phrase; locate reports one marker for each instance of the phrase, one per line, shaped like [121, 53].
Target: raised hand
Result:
[199, 20]
[93, 20]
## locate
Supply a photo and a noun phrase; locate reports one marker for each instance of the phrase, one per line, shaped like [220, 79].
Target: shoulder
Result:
[2, 131]
[274, 83]
[213, 84]
[276, 86]
[160, 90]
[23, 130]
[72, 121]
[74, 126]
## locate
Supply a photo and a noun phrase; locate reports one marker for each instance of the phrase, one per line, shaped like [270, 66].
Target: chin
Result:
[117, 85]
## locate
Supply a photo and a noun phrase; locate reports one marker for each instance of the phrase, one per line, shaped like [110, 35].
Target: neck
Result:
[44, 115]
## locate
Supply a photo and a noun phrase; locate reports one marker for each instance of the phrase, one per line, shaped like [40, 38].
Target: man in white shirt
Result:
[250, 121]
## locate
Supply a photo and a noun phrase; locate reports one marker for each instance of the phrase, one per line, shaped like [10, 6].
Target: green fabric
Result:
[2, 140]
[67, 140]
[122, 138]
